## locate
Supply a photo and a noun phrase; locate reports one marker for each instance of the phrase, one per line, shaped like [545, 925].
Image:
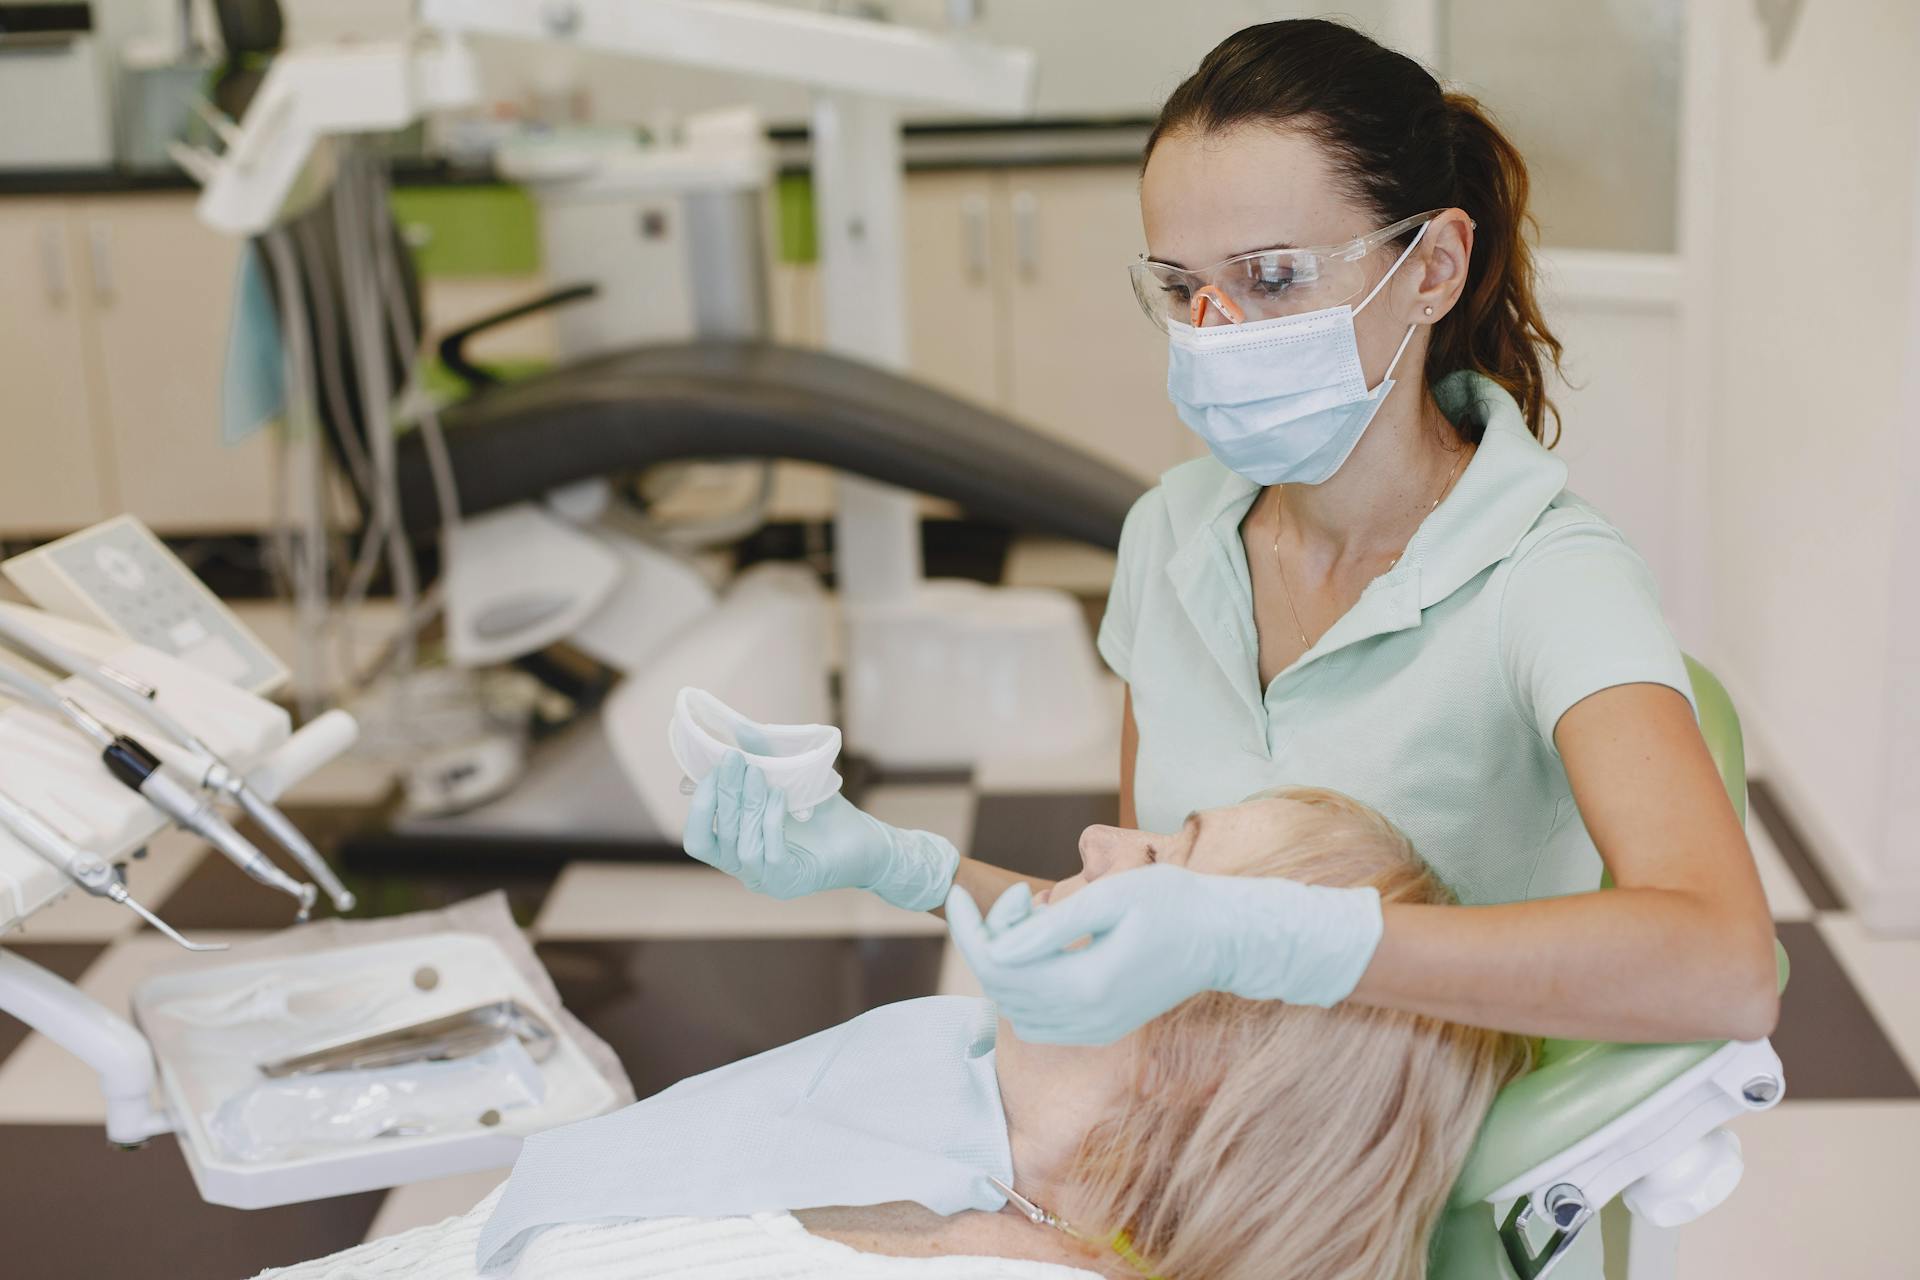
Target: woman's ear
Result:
[1441, 268]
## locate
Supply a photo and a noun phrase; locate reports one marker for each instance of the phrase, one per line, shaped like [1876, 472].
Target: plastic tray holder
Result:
[210, 1027]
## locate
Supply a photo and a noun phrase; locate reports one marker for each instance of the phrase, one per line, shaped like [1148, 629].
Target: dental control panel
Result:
[120, 577]
[132, 702]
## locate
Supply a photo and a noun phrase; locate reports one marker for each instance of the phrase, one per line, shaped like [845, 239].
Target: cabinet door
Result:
[951, 280]
[161, 283]
[1083, 364]
[51, 478]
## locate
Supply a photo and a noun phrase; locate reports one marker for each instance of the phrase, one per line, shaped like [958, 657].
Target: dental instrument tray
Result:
[269, 1067]
[457, 1035]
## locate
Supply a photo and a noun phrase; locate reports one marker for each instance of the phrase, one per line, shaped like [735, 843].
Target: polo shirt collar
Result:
[1498, 498]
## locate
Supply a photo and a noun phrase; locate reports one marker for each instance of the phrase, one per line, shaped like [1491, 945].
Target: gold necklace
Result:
[1280, 568]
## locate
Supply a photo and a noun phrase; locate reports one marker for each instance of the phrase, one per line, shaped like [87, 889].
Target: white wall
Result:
[1811, 333]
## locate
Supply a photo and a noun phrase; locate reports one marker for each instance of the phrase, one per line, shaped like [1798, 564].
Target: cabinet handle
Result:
[1026, 240]
[973, 221]
[53, 264]
[100, 261]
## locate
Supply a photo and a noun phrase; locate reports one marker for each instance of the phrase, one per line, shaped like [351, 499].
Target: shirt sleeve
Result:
[1581, 613]
[1118, 625]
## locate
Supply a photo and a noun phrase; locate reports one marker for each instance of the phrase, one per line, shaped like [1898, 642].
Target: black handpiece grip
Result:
[130, 762]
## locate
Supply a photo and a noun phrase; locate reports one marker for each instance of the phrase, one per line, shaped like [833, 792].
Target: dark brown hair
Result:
[1404, 146]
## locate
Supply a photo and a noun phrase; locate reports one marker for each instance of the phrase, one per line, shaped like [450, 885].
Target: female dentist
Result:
[1377, 582]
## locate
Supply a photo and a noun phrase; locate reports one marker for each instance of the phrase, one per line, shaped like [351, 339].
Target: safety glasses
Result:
[1264, 284]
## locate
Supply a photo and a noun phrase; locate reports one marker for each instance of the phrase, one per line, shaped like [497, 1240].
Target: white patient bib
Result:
[901, 1103]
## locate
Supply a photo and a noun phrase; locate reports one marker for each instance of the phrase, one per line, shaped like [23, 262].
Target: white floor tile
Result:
[1825, 1192]
[603, 900]
[1093, 768]
[1785, 897]
[422, 1204]
[1063, 565]
[80, 917]
[1886, 973]
[40, 1082]
[946, 809]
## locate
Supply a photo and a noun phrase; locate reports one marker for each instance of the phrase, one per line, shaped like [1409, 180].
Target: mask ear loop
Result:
[1408, 337]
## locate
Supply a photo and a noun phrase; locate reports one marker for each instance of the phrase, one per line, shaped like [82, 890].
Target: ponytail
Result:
[1496, 328]
[1406, 146]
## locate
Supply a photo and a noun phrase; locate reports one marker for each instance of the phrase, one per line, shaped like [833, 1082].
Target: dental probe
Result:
[87, 870]
[216, 774]
[140, 771]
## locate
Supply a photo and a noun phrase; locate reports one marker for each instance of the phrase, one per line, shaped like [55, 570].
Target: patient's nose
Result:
[1104, 850]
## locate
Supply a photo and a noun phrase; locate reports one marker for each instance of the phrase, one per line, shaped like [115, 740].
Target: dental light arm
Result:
[314, 93]
[215, 773]
[139, 770]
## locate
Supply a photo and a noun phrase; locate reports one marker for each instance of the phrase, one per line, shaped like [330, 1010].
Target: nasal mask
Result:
[1279, 401]
[797, 759]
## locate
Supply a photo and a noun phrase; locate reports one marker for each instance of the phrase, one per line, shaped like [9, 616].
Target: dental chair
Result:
[555, 543]
[1629, 1129]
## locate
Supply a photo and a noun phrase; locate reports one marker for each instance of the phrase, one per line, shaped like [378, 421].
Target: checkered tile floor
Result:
[681, 970]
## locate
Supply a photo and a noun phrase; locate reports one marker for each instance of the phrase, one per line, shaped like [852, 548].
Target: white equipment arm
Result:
[313, 93]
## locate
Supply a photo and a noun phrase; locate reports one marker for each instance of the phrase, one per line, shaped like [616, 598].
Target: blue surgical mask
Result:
[1280, 401]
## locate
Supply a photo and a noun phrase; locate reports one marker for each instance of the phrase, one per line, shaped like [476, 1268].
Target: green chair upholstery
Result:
[1576, 1086]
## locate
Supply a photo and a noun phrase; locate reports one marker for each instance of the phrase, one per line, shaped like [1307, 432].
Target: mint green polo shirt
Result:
[1433, 699]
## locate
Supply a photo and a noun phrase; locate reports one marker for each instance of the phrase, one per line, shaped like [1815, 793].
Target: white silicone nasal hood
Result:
[796, 758]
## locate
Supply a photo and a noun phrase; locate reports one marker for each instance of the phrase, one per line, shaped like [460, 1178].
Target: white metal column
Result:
[858, 219]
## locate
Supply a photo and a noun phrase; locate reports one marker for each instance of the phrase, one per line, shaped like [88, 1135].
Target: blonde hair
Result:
[1288, 1142]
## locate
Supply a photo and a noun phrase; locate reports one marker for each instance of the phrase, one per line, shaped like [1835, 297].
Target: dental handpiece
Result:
[138, 769]
[141, 770]
[87, 870]
[217, 774]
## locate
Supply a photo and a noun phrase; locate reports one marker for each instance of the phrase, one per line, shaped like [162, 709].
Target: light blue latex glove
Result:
[740, 824]
[1156, 936]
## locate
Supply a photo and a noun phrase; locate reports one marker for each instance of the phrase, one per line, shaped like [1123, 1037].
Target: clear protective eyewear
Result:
[1264, 284]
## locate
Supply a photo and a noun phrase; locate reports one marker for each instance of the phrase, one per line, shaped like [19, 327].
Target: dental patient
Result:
[1226, 1140]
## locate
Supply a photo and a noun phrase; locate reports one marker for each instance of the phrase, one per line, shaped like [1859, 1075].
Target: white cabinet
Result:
[162, 291]
[1017, 299]
[113, 327]
[51, 476]
[1082, 363]
[955, 293]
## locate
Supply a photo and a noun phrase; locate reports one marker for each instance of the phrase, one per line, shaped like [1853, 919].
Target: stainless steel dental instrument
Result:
[142, 772]
[216, 775]
[87, 870]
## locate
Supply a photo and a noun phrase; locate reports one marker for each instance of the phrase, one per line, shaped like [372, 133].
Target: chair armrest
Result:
[452, 347]
[1576, 1088]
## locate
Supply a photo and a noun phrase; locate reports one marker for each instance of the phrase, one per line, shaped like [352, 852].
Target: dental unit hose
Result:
[216, 774]
[87, 870]
[142, 772]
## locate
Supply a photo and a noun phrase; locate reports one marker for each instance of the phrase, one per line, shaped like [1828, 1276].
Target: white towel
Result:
[901, 1103]
[766, 1246]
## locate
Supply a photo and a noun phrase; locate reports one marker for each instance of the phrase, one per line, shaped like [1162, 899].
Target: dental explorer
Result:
[87, 870]
[216, 774]
[140, 771]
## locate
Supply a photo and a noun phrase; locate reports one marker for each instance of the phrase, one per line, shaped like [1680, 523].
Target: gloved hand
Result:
[739, 824]
[1157, 935]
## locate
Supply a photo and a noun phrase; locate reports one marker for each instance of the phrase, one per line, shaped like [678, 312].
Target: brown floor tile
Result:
[1038, 834]
[1828, 1040]
[77, 1209]
[671, 1009]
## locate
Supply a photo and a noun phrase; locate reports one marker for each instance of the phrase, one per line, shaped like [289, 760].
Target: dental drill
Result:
[87, 870]
[216, 775]
[140, 771]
